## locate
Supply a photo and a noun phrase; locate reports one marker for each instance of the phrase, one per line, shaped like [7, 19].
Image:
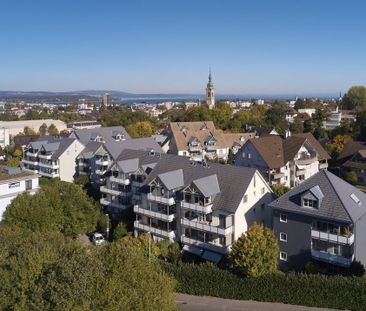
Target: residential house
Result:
[322, 220]
[14, 182]
[284, 161]
[200, 140]
[353, 158]
[52, 157]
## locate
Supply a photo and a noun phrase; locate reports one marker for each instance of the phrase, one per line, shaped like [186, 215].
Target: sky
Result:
[267, 47]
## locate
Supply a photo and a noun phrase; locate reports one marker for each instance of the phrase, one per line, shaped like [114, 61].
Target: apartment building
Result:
[322, 220]
[205, 206]
[15, 127]
[52, 157]
[101, 134]
[200, 140]
[287, 161]
[97, 157]
[14, 182]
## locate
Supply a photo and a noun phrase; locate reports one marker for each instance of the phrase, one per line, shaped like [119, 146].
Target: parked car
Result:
[98, 238]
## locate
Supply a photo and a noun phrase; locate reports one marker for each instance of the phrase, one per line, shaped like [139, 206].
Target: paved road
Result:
[199, 303]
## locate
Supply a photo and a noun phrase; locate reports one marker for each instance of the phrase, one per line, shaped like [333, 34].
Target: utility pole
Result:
[107, 226]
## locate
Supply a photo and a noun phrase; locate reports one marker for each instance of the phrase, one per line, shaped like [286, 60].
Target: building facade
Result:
[210, 92]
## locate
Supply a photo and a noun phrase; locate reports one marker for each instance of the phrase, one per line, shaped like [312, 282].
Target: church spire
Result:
[210, 91]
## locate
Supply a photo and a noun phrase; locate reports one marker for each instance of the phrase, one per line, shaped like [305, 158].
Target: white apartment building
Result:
[4, 137]
[204, 206]
[14, 182]
[53, 157]
[15, 127]
[284, 161]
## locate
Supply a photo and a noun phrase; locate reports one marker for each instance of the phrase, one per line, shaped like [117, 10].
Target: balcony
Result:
[45, 156]
[109, 191]
[300, 172]
[160, 199]
[50, 175]
[120, 180]
[105, 202]
[136, 197]
[323, 166]
[211, 147]
[30, 170]
[277, 175]
[32, 153]
[137, 183]
[205, 245]
[163, 233]
[195, 148]
[49, 165]
[206, 227]
[197, 207]
[325, 236]
[100, 172]
[153, 214]
[30, 162]
[307, 160]
[331, 258]
[102, 162]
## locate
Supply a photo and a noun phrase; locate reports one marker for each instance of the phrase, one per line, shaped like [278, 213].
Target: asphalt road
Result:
[199, 303]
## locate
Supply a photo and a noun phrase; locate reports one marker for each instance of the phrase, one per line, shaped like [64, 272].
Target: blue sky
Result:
[254, 47]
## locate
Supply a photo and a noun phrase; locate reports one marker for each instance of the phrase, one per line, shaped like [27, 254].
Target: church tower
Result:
[210, 92]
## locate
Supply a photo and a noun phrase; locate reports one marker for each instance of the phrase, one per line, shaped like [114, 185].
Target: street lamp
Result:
[107, 226]
[149, 233]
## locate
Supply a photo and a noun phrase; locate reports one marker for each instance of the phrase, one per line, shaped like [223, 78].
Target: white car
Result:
[98, 238]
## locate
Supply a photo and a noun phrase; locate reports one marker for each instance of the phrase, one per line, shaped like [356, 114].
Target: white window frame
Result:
[283, 256]
[285, 237]
[282, 220]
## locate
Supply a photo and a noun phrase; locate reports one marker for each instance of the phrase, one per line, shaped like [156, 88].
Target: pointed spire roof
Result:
[210, 83]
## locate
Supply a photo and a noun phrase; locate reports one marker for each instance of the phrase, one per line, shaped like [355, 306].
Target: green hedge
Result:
[292, 288]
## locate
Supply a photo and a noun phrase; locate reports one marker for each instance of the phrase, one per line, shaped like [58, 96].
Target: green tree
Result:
[355, 98]
[256, 253]
[351, 177]
[119, 231]
[13, 162]
[52, 130]
[17, 153]
[279, 189]
[29, 131]
[58, 206]
[140, 129]
[43, 129]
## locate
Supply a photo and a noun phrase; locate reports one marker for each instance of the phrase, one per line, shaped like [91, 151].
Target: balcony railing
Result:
[160, 199]
[206, 227]
[122, 181]
[30, 170]
[48, 165]
[102, 162]
[205, 245]
[32, 153]
[321, 235]
[163, 233]
[30, 162]
[100, 172]
[323, 166]
[277, 175]
[105, 202]
[211, 147]
[137, 183]
[109, 191]
[45, 156]
[195, 148]
[50, 175]
[153, 214]
[300, 172]
[332, 258]
[197, 207]
[306, 160]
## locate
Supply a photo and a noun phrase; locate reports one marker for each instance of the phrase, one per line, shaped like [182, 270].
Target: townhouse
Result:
[97, 157]
[200, 140]
[284, 161]
[322, 220]
[14, 182]
[52, 157]
[205, 206]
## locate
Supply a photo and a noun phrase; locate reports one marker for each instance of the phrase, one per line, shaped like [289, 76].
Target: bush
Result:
[119, 231]
[313, 290]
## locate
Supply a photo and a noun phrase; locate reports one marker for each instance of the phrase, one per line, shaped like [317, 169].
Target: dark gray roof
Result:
[337, 203]
[208, 185]
[129, 166]
[108, 133]
[172, 179]
[57, 145]
[90, 149]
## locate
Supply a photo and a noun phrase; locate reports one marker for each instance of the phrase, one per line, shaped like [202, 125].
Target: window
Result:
[254, 182]
[283, 237]
[28, 184]
[14, 185]
[245, 198]
[243, 155]
[249, 155]
[283, 256]
[263, 190]
[283, 218]
[254, 193]
[254, 210]
[310, 203]
[263, 206]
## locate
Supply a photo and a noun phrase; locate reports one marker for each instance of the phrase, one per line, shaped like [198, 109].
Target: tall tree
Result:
[52, 130]
[43, 129]
[355, 98]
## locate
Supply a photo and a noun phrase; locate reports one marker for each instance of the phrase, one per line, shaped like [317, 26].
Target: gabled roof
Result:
[322, 153]
[337, 203]
[129, 166]
[172, 179]
[52, 143]
[108, 133]
[350, 149]
[208, 185]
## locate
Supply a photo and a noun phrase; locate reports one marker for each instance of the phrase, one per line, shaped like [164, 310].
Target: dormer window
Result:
[310, 203]
[119, 137]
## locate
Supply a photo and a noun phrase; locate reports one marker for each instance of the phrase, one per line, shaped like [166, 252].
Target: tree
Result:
[339, 141]
[256, 253]
[279, 189]
[13, 162]
[52, 130]
[119, 231]
[29, 131]
[355, 98]
[43, 129]
[140, 129]
[351, 177]
[64, 133]
[17, 153]
[58, 206]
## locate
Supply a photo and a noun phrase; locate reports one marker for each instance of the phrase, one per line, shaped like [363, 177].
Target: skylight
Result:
[355, 199]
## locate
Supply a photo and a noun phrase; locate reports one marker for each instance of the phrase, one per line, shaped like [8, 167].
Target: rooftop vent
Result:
[355, 199]
[152, 152]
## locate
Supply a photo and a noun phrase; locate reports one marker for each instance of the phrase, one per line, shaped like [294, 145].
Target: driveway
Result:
[199, 303]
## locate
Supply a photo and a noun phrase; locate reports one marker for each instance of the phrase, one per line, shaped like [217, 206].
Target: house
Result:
[200, 140]
[333, 120]
[96, 157]
[52, 157]
[81, 125]
[101, 134]
[284, 161]
[322, 220]
[258, 131]
[23, 140]
[353, 158]
[205, 206]
[14, 182]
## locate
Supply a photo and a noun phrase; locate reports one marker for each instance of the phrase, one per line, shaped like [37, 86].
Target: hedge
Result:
[313, 290]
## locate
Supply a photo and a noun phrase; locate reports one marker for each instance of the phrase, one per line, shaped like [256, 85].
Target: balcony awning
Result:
[211, 256]
[192, 249]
